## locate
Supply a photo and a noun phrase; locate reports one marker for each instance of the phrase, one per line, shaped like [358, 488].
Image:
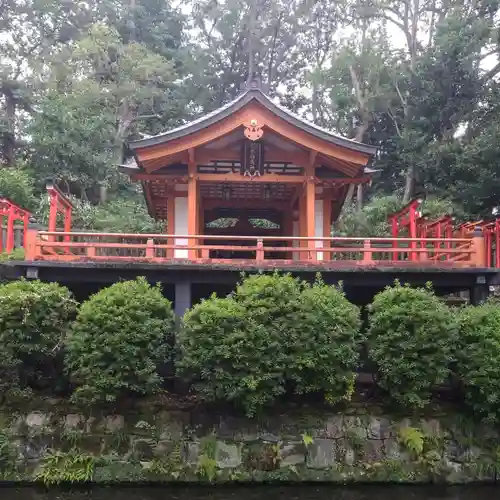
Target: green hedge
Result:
[274, 333]
[478, 358]
[274, 336]
[34, 320]
[411, 339]
[121, 336]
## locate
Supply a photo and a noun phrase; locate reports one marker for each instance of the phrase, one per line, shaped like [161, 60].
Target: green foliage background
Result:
[78, 83]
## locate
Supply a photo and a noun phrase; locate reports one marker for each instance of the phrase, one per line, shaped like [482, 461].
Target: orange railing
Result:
[67, 246]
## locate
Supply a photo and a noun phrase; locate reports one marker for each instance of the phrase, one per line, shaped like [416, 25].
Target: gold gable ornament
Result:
[253, 131]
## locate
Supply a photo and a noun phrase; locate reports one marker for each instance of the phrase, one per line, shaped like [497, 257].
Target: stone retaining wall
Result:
[155, 444]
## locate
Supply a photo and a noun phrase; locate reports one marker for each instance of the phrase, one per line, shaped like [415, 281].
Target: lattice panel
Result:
[247, 191]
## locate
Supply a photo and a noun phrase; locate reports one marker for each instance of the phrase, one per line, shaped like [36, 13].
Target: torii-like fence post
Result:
[406, 218]
[59, 204]
[13, 213]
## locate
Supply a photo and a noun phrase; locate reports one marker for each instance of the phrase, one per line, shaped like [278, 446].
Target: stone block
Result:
[321, 454]
[165, 448]
[353, 427]
[191, 452]
[378, 428]
[143, 449]
[345, 452]
[113, 423]
[36, 421]
[372, 451]
[170, 425]
[73, 421]
[35, 447]
[334, 427]
[227, 456]
[392, 449]
[431, 427]
[237, 429]
[292, 454]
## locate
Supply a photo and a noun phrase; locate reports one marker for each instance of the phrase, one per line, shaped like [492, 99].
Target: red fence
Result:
[336, 251]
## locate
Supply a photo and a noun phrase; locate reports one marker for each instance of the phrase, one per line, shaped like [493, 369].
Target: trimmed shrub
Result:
[274, 334]
[120, 337]
[327, 343]
[410, 338]
[34, 319]
[478, 358]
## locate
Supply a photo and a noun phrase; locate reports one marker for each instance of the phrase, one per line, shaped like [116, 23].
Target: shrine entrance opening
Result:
[251, 222]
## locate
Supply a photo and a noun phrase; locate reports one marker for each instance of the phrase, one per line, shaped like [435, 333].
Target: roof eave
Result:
[237, 104]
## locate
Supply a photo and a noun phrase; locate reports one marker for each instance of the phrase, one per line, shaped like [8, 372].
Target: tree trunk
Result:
[9, 142]
[103, 194]
[251, 28]
[349, 196]
[359, 198]
[409, 185]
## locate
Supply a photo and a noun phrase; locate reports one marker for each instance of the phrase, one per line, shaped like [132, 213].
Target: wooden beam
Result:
[271, 154]
[211, 204]
[236, 177]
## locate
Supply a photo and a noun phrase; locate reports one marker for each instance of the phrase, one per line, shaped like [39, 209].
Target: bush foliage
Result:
[478, 358]
[120, 337]
[34, 319]
[410, 338]
[274, 333]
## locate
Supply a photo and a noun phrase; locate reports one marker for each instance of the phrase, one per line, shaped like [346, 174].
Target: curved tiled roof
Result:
[238, 103]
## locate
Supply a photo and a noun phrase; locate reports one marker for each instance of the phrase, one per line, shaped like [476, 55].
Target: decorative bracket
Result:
[253, 130]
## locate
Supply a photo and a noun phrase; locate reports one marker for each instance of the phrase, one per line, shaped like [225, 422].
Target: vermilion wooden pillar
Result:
[9, 246]
[192, 208]
[310, 210]
[170, 220]
[302, 223]
[327, 222]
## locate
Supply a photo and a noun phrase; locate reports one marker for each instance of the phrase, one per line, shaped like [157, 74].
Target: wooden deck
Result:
[281, 252]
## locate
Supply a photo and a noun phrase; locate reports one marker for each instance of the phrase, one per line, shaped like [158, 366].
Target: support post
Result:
[183, 300]
[327, 223]
[479, 293]
[171, 221]
[1, 232]
[53, 213]
[10, 231]
[288, 230]
[26, 221]
[367, 253]
[311, 216]
[30, 243]
[67, 223]
[192, 209]
[302, 224]
[478, 249]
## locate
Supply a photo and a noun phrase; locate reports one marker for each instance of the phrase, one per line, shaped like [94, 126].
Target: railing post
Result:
[150, 248]
[30, 244]
[9, 247]
[259, 254]
[423, 256]
[478, 248]
[367, 252]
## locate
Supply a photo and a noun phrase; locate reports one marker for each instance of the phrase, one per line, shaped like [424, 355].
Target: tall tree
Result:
[105, 92]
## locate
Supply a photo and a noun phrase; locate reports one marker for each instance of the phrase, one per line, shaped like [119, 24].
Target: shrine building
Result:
[255, 168]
